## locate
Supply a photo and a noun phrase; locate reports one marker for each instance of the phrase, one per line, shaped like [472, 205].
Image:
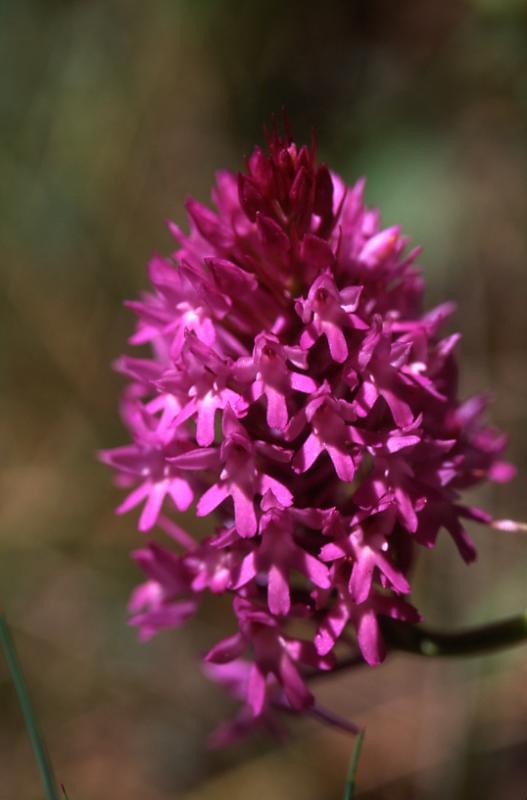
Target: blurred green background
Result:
[111, 112]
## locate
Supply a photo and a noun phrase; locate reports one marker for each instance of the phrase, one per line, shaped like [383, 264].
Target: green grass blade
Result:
[15, 670]
[349, 791]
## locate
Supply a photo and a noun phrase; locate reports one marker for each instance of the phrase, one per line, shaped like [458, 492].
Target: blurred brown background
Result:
[111, 112]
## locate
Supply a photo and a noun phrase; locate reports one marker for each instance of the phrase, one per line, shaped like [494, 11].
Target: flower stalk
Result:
[474, 641]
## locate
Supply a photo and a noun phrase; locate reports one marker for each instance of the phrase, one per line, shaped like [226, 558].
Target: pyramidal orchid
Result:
[298, 394]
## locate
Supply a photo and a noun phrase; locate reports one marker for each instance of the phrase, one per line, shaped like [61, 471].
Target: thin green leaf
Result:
[349, 791]
[39, 749]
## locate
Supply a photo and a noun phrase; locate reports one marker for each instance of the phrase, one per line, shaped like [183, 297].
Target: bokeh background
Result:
[110, 113]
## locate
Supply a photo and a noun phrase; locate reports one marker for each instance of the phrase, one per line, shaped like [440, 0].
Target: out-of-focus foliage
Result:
[110, 113]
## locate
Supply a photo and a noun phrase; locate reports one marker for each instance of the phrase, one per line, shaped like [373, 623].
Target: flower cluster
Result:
[296, 389]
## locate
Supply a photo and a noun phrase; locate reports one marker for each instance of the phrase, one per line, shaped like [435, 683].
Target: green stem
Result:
[349, 791]
[15, 670]
[469, 642]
